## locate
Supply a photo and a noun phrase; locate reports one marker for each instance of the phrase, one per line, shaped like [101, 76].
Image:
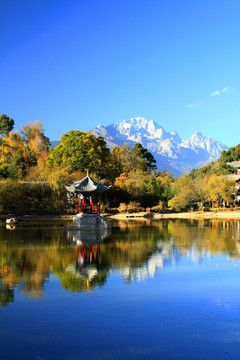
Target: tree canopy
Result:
[126, 159]
[148, 161]
[20, 153]
[6, 124]
[81, 151]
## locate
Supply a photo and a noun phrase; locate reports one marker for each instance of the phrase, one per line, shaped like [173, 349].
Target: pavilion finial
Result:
[87, 173]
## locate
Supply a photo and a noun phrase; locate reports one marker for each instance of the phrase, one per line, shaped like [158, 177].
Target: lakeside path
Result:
[186, 215]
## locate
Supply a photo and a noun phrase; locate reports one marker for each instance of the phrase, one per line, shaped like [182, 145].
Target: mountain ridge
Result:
[170, 150]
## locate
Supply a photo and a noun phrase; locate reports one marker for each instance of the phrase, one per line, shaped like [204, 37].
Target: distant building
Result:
[235, 165]
[235, 177]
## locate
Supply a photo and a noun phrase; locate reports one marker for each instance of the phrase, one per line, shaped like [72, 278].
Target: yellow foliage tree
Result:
[10, 145]
[34, 138]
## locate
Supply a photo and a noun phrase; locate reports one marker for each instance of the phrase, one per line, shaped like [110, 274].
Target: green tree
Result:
[6, 124]
[148, 161]
[81, 151]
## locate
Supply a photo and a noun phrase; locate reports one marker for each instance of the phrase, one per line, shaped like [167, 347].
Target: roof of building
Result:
[87, 185]
[231, 177]
[234, 164]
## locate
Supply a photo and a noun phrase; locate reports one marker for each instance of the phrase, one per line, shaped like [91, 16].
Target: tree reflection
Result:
[6, 294]
[135, 250]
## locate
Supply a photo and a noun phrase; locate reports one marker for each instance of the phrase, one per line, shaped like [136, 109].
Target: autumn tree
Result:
[218, 189]
[122, 159]
[11, 156]
[12, 143]
[186, 193]
[126, 159]
[20, 153]
[143, 187]
[35, 141]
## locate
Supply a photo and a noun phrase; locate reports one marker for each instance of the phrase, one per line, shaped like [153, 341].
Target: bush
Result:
[4, 171]
[160, 208]
[178, 203]
[134, 206]
[107, 209]
[122, 208]
[30, 198]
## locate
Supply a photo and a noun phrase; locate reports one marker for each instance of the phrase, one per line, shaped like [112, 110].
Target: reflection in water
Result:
[163, 254]
[11, 226]
[87, 270]
[135, 250]
[89, 236]
[6, 294]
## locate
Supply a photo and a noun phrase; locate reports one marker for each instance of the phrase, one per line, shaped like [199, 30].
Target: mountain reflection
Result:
[31, 255]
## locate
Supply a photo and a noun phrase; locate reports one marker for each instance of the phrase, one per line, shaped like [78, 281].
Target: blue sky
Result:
[76, 64]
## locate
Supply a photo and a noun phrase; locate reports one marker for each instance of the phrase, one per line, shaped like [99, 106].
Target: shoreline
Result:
[137, 216]
[184, 215]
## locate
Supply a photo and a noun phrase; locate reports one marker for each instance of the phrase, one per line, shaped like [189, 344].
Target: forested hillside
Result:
[220, 166]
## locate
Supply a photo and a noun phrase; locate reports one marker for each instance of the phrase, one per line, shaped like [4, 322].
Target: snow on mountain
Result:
[170, 151]
[197, 140]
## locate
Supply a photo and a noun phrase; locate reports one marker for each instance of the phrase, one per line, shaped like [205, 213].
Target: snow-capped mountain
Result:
[168, 148]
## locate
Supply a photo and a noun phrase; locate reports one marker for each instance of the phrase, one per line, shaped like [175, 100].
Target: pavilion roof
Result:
[87, 185]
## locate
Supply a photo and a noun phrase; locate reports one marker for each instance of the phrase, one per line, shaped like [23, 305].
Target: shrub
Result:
[29, 198]
[178, 203]
[134, 206]
[4, 171]
[160, 208]
[122, 208]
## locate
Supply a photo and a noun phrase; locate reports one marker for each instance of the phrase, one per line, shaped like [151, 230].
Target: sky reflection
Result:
[151, 290]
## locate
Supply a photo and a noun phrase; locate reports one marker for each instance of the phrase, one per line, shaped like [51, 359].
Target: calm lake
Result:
[149, 290]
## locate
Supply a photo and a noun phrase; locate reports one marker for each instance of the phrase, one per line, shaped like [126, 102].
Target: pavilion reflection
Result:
[87, 270]
[86, 265]
[88, 236]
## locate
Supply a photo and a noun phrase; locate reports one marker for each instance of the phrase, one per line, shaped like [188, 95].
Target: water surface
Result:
[150, 290]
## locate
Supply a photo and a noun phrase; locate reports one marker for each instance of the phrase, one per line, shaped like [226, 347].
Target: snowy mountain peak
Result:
[169, 149]
[197, 135]
[140, 122]
[136, 128]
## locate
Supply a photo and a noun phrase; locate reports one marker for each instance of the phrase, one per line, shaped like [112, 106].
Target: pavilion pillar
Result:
[79, 205]
[92, 205]
[84, 205]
